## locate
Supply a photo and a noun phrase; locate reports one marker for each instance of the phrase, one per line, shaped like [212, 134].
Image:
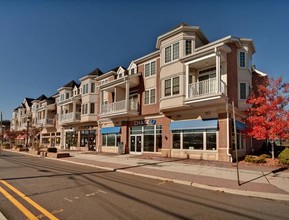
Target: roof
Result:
[71, 84]
[29, 101]
[183, 27]
[41, 98]
[260, 72]
[96, 72]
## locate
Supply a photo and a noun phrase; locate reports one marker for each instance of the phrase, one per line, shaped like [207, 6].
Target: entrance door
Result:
[135, 143]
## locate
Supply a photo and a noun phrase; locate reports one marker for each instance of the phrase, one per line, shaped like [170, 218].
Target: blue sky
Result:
[45, 44]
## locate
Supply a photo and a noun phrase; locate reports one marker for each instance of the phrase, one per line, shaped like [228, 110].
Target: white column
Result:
[100, 101]
[73, 110]
[127, 95]
[45, 116]
[218, 69]
[187, 80]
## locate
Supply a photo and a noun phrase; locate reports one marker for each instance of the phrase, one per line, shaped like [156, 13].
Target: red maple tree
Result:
[268, 117]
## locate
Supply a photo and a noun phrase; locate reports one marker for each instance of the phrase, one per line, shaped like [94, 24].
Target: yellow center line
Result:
[25, 211]
[30, 201]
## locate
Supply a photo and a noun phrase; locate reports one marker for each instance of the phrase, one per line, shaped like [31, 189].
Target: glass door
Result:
[135, 143]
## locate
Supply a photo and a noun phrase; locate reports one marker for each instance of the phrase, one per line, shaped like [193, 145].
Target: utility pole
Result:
[235, 141]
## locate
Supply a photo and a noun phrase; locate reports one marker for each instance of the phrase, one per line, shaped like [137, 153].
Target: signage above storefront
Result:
[144, 122]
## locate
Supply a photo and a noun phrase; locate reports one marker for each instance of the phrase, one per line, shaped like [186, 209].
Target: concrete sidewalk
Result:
[271, 185]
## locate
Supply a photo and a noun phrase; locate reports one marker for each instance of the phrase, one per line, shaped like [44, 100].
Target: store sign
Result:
[144, 122]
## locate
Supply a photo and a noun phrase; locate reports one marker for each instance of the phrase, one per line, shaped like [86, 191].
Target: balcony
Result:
[69, 117]
[205, 90]
[120, 108]
[46, 122]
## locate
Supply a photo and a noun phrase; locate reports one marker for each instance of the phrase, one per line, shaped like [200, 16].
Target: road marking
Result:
[25, 211]
[68, 200]
[101, 191]
[53, 212]
[30, 201]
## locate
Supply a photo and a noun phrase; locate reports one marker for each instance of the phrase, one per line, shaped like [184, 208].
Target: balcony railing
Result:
[205, 87]
[48, 121]
[119, 106]
[71, 116]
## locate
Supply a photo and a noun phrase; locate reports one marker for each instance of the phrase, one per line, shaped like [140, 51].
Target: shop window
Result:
[195, 139]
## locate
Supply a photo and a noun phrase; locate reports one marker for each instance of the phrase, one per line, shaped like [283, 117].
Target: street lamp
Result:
[28, 120]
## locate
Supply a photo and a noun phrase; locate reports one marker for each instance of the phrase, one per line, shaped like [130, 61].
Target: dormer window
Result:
[172, 52]
[119, 75]
[132, 71]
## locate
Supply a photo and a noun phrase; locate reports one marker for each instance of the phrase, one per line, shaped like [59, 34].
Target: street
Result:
[50, 189]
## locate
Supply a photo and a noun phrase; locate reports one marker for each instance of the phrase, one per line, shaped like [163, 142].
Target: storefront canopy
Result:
[240, 125]
[194, 124]
[110, 130]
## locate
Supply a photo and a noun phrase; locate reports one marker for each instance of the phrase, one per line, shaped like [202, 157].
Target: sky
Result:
[45, 44]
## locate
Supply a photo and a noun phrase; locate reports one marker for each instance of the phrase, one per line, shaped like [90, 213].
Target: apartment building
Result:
[176, 101]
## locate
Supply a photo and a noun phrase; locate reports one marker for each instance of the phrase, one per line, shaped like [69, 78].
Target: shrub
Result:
[284, 156]
[52, 150]
[19, 146]
[255, 159]
[265, 156]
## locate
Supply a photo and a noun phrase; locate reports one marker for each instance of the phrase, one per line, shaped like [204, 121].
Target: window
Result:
[195, 139]
[67, 95]
[176, 85]
[92, 89]
[147, 69]
[242, 59]
[132, 71]
[176, 51]
[172, 86]
[110, 140]
[243, 92]
[188, 47]
[92, 108]
[84, 109]
[168, 87]
[150, 96]
[172, 52]
[150, 68]
[167, 54]
[85, 89]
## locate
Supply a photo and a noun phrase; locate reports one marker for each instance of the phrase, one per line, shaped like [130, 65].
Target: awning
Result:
[110, 130]
[194, 124]
[240, 125]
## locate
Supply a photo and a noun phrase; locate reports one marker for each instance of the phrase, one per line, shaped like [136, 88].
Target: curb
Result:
[2, 217]
[263, 195]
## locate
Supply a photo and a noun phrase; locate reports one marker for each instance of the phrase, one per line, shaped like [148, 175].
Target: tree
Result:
[268, 117]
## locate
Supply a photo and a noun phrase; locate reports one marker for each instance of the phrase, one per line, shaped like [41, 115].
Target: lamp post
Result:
[28, 120]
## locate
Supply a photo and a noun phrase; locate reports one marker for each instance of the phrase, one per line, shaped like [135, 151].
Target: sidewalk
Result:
[264, 182]
[256, 183]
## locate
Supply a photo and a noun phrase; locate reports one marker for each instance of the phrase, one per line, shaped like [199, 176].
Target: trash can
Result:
[120, 148]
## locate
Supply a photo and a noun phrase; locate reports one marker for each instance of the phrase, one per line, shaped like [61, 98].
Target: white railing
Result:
[119, 106]
[48, 121]
[205, 87]
[69, 116]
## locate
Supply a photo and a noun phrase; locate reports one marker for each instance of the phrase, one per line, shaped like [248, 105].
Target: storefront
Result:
[145, 136]
[88, 139]
[195, 137]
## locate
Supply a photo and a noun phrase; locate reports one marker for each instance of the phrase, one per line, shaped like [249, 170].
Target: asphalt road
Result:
[69, 191]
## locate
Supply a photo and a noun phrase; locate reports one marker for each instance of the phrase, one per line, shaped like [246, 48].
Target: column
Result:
[218, 70]
[45, 116]
[73, 110]
[187, 80]
[127, 95]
